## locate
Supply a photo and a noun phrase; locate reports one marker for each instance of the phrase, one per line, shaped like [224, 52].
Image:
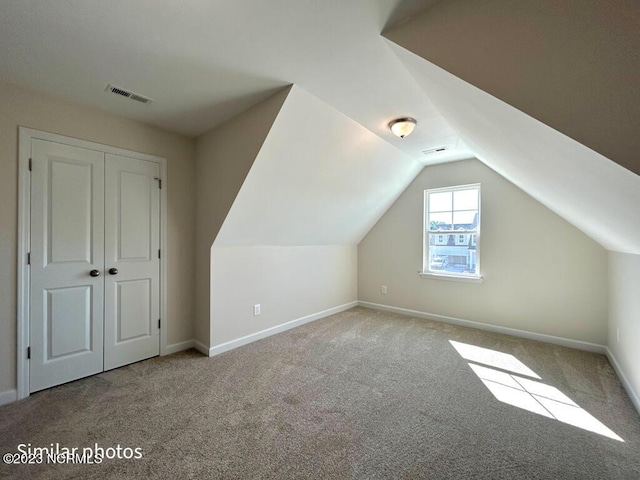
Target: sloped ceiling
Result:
[320, 178]
[587, 189]
[224, 157]
[205, 61]
[572, 64]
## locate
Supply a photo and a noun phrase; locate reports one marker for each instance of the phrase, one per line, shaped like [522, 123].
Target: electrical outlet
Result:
[256, 310]
[383, 289]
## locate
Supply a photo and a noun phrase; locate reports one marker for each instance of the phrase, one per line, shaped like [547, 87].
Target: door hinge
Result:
[159, 253]
[158, 323]
[28, 352]
[159, 180]
[29, 258]
[30, 164]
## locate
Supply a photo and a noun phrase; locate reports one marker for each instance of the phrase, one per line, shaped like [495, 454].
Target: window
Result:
[452, 213]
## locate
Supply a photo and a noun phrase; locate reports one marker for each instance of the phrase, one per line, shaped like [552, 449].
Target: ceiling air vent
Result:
[431, 151]
[126, 93]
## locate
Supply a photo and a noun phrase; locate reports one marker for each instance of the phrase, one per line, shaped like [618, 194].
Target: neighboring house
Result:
[454, 251]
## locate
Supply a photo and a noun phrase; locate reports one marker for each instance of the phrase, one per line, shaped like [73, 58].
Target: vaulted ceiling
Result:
[572, 64]
[543, 92]
[204, 61]
[546, 93]
[322, 181]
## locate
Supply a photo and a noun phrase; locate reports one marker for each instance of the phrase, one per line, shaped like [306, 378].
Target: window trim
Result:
[426, 271]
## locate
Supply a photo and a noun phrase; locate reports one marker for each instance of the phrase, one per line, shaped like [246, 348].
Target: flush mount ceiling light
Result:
[401, 127]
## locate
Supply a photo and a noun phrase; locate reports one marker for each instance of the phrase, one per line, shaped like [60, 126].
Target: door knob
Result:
[94, 273]
[113, 271]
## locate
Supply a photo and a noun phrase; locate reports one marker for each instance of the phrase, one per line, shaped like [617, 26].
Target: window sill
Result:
[451, 278]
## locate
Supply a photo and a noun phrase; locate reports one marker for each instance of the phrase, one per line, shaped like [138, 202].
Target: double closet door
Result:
[94, 295]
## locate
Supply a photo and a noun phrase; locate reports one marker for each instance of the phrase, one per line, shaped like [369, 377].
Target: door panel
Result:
[71, 218]
[68, 321]
[134, 226]
[135, 312]
[132, 240]
[67, 242]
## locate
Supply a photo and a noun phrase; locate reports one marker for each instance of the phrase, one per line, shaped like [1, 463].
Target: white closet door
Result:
[67, 244]
[132, 265]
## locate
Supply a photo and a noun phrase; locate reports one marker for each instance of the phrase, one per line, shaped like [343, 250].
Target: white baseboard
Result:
[514, 332]
[633, 395]
[178, 347]
[8, 396]
[201, 347]
[238, 342]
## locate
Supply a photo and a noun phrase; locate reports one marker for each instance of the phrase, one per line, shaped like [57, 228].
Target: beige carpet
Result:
[362, 394]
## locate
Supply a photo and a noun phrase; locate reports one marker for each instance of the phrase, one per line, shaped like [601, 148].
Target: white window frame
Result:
[427, 272]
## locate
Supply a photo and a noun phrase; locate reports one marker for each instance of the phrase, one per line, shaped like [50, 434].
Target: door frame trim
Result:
[25, 136]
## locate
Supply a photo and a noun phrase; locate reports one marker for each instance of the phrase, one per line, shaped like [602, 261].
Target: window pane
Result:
[465, 199]
[447, 256]
[440, 202]
[465, 219]
[440, 221]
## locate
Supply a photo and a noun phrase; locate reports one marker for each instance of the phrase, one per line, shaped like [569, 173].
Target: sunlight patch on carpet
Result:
[524, 393]
[492, 358]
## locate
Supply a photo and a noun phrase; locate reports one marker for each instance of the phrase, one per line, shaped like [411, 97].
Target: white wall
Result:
[541, 274]
[224, 156]
[580, 185]
[624, 317]
[288, 282]
[318, 183]
[21, 107]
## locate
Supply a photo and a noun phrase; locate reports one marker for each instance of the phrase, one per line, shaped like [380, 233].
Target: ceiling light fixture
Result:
[401, 127]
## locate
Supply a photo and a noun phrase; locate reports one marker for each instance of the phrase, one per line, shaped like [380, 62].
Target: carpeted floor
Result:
[361, 394]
